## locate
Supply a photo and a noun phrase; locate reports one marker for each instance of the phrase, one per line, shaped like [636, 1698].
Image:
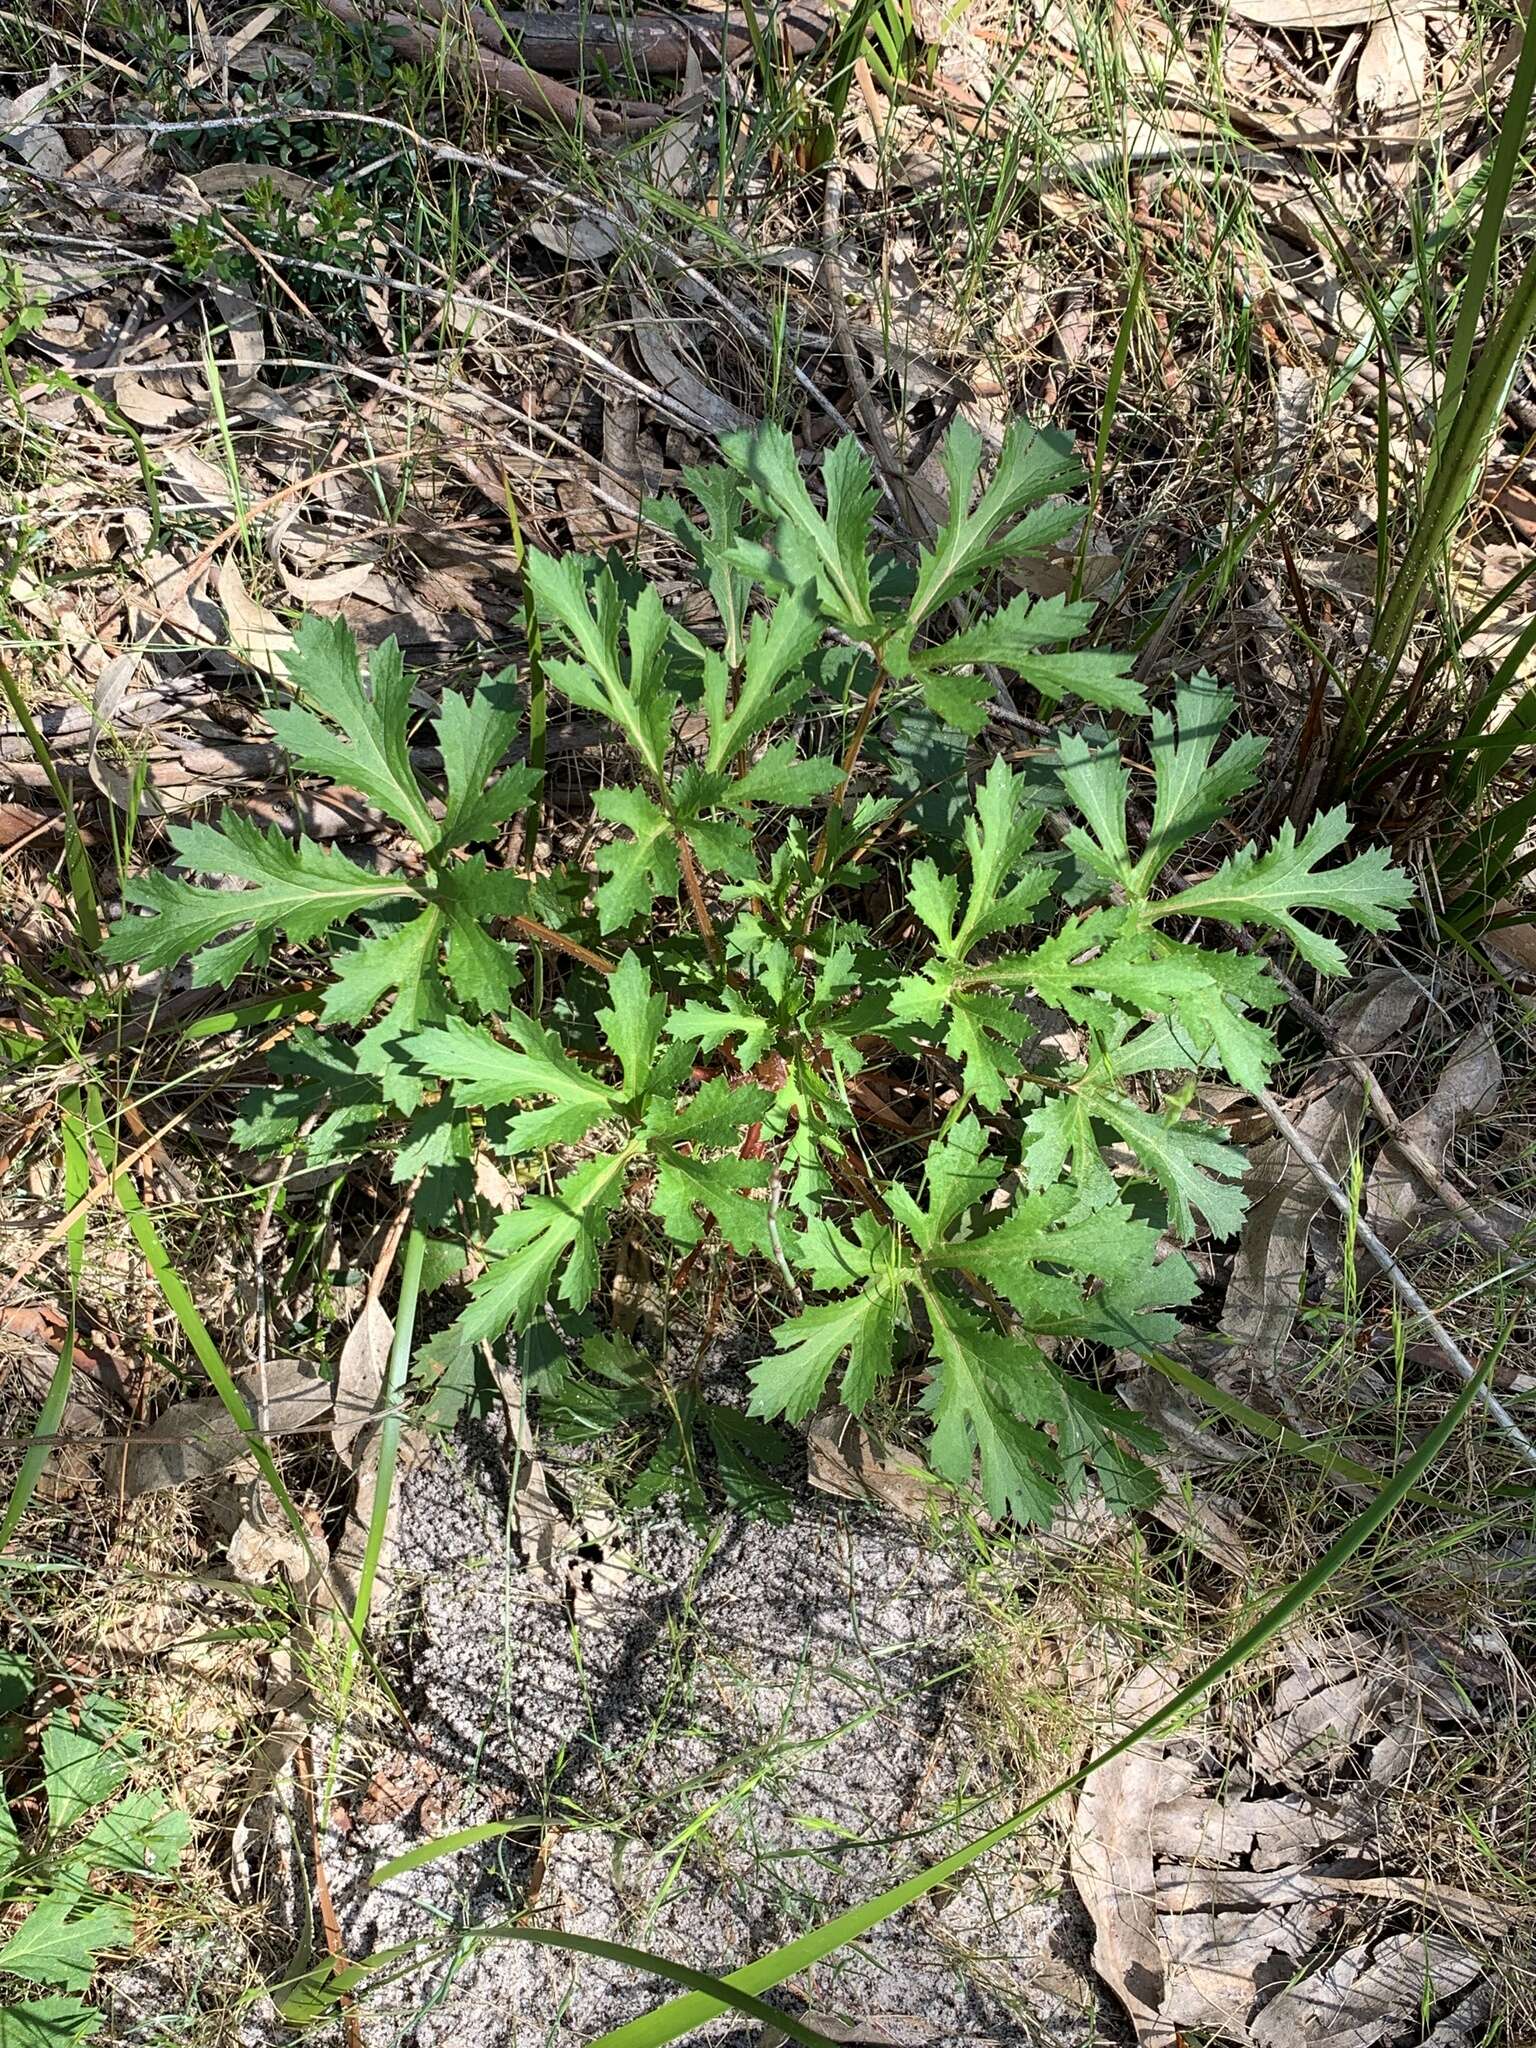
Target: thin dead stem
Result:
[1402, 1286]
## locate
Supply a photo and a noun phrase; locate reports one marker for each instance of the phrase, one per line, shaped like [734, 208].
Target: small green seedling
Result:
[781, 925]
[60, 1917]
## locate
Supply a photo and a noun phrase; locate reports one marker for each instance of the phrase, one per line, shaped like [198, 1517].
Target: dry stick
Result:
[546, 936]
[670, 264]
[304, 1771]
[525, 88]
[571, 41]
[1402, 1286]
[263, 262]
[1451, 1199]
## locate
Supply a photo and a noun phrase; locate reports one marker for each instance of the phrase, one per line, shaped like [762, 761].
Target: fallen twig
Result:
[304, 1771]
[657, 43]
[523, 87]
[1450, 1198]
[1402, 1286]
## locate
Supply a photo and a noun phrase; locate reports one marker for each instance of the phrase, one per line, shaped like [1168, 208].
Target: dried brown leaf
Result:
[1318, 15]
[257, 636]
[164, 404]
[127, 791]
[1270, 1265]
[1468, 1088]
[36, 141]
[246, 338]
[360, 1375]
[1219, 1963]
[684, 385]
[842, 1458]
[18, 822]
[1111, 1859]
[1363, 1995]
[1390, 84]
[196, 1438]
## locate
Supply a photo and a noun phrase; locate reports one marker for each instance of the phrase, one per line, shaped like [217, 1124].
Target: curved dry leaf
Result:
[1320, 15]
[148, 406]
[843, 1459]
[1468, 1088]
[233, 181]
[197, 1439]
[1270, 1264]
[1362, 1996]
[360, 1375]
[257, 636]
[578, 237]
[37, 143]
[1111, 1858]
[107, 701]
[285, 1394]
[246, 337]
[1390, 85]
[330, 586]
[1513, 946]
[19, 822]
[685, 386]
[196, 481]
[192, 1440]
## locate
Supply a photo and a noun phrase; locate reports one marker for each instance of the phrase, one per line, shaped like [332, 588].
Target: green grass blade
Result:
[171, 1285]
[681, 2015]
[1117, 364]
[1410, 285]
[1490, 226]
[389, 1452]
[447, 1845]
[717, 1993]
[1333, 1463]
[1458, 459]
[260, 1010]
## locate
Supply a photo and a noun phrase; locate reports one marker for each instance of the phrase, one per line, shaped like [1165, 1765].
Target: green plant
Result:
[1418, 741]
[88, 1826]
[801, 943]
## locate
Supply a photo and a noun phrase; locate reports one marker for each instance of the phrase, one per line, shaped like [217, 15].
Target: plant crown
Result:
[798, 911]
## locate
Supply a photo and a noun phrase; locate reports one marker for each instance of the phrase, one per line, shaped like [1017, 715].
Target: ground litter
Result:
[748, 1730]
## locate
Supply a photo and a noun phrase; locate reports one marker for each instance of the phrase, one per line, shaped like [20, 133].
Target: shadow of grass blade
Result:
[681, 2016]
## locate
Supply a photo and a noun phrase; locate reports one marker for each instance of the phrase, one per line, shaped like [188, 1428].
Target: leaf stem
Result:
[692, 884]
[851, 759]
[531, 928]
